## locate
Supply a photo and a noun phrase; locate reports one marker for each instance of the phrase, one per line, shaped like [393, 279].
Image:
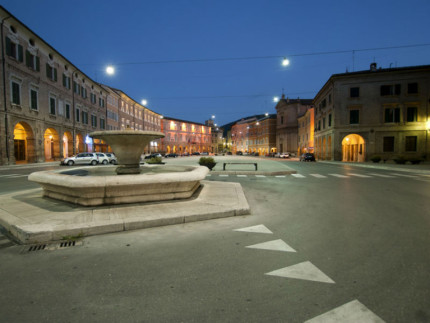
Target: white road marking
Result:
[352, 312]
[13, 175]
[280, 176]
[304, 270]
[359, 175]
[260, 175]
[339, 175]
[318, 176]
[223, 175]
[242, 175]
[404, 175]
[208, 175]
[298, 175]
[255, 229]
[278, 245]
[381, 175]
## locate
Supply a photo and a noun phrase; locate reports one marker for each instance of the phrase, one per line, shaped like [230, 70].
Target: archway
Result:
[23, 143]
[168, 149]
[67, 144]
[79, 143]
[353, 148]
[52, 144]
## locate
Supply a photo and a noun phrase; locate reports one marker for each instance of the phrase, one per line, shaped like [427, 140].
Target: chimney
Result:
[373, 67]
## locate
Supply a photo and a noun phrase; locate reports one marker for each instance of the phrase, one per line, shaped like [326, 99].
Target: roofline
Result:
[370, 72]
[180, 120]
[76, 69]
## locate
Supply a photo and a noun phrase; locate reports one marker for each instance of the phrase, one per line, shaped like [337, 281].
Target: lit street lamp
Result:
[285, 62]
[110, 70]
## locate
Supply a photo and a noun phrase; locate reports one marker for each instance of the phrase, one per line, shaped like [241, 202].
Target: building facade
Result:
[185, 137]
[288, 111]
[306, 132]
[378, 112]
[48, 106]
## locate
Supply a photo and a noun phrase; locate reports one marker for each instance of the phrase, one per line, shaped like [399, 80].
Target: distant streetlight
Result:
[275, 99]
[266, 114]
[110, 70]
[213, 117]
[285, 62]
[144, 102]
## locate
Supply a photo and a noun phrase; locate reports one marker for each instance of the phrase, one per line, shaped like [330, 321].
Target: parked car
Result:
[239, 153]
[153, 156]
[307, 157]
[185, 153]
[112, 158]
[81, 159]
[173, 155]
[196, 153]
[284, 155]
[102, 158]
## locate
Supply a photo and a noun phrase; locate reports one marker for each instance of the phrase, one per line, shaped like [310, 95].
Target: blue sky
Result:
[132, 34]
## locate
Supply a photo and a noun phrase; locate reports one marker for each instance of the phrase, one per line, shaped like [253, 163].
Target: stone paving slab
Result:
[30, 218]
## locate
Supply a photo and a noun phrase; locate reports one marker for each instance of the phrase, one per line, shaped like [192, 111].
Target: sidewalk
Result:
[422, 168]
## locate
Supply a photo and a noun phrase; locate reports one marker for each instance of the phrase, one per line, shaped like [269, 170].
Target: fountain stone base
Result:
[99, 188]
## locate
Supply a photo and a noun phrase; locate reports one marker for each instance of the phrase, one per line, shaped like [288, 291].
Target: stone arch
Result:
[67, 144]
[353, 148]
[80, 143]
[51, 143]
[24, 143]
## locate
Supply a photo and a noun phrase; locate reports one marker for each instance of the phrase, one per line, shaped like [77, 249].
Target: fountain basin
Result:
[98, 187]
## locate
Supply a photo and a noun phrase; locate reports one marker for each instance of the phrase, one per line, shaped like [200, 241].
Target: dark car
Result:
[196, 153]
[307, 157]
[153, 156]
[239, 153]
[173, 155]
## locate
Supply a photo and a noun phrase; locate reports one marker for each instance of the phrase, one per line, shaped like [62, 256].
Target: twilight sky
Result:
[170, 52]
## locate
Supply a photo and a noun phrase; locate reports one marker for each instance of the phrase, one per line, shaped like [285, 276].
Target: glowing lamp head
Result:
[110, 70]
[285, 62]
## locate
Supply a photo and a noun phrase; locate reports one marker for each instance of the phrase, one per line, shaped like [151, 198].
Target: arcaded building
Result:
[376, 112]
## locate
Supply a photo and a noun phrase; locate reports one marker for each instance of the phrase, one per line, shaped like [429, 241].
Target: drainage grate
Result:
[37, 247]
[53, 246]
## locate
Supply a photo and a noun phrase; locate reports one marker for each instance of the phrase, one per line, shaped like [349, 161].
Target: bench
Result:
[255, 164]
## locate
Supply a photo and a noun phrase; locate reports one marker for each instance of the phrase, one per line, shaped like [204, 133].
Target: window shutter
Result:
[20, 53]
[28, 61]
[64, 80]
[37, 63]
[8, 47]
[55, 74]
[397, 115]
[47, 70]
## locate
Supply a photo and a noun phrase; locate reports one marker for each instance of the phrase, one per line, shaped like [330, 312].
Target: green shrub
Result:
[376, 159]
[209, 162]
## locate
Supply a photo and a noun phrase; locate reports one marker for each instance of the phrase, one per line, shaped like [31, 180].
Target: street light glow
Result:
[110, 70]
[285, 62]
[275, 99]
[144, 102]
[213, 117]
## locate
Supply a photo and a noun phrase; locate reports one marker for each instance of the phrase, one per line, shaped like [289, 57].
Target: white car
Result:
[112, 158]
[81, 159]
[284, 155]
[103, 159]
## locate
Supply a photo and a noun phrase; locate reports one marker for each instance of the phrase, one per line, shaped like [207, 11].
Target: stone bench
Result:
[255, 164]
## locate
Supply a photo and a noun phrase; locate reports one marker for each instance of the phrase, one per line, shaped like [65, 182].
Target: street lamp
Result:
[285, 62]
[110, 70]
[275, 99]
[144, 102]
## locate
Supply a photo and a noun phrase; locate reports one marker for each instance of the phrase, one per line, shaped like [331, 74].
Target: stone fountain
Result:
[126, 183]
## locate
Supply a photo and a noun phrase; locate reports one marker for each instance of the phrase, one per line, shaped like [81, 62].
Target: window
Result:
[93, 98]
[388, 144]
[411, 143]
[16, 93]
[354, 92]
[412, 88]
[282, 119]
[52, 105]
[412, 113]
[84, 117]
[77, 88]
[78, 115]
[67, 111]
[329, 99]
[32, 61]
[323, 123]
[66, 81]
[329, 120]
[51, 72]
[102, 124]
[324, 103]
[392, 115]
[354, 116]
[101, 102]
[34, 99]
[14, 50]
[83, 92]
[393, 89]
[319, 124]
[93, 120]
